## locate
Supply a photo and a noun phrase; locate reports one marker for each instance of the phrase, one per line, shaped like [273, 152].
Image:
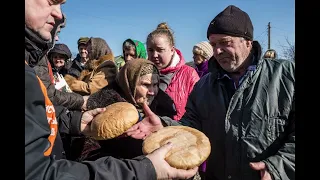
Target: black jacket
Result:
[39, 165]
[75, 67]
[71, 101]
[36, 56]
[37, 131]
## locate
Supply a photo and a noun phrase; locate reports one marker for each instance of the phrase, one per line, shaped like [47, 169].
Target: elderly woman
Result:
[131, 49]
[99, 71]
[136, 83]
[58, 58]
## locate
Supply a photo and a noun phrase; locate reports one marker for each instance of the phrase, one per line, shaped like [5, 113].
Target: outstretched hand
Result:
[146, 126]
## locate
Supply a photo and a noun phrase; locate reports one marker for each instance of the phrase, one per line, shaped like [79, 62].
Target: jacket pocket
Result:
[275, 128]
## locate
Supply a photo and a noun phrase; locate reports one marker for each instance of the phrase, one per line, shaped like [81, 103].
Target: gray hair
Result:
[128, 45]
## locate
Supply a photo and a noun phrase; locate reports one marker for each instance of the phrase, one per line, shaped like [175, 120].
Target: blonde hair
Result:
[197, 50]
[271, 54]
[162, 29]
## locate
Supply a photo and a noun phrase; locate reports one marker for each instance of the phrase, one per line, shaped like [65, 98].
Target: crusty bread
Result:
[190, 146]
[113, 122]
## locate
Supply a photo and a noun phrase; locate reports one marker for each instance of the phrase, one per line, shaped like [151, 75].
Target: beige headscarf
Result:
[129, 74]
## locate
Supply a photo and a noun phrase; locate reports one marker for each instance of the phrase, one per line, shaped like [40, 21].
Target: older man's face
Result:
[40, 16]
[230, 52]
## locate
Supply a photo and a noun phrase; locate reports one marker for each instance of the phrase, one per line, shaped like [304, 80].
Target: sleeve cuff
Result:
[76, 123]
[151, 172]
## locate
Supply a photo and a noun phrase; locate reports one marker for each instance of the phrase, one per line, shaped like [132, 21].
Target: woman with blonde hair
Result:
[176, 78]
[202, 52]
[270, 54]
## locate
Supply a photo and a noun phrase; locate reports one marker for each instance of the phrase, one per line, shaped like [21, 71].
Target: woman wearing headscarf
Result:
[99, 71]
[136, 83]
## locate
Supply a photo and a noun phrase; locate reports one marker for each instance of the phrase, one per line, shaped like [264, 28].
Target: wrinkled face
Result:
[40, 16]
[160, 51]
[129, 54]
[58, 60]
[198, 59]
[147, 88]
[83, 51]
[230, 52]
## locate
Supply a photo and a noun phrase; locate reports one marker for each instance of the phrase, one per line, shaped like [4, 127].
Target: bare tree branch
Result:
[288, 50]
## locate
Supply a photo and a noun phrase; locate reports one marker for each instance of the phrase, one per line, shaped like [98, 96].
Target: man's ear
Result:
[249, 43]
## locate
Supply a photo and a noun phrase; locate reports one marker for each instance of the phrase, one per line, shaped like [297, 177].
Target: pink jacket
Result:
[181, 84]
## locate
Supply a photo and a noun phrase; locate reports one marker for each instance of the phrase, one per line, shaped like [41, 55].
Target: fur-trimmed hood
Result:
[95, 63]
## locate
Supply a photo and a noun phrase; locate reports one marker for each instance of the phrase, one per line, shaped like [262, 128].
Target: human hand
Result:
[163, 169]
[261, 166]
[84, 105]
[86, 119]
[146, 126]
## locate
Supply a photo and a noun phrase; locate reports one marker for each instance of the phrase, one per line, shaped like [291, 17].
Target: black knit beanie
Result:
[232, 21]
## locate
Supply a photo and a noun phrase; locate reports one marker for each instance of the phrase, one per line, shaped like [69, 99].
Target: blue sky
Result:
[117, 20]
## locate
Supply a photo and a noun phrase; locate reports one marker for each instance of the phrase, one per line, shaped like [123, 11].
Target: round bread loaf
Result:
[190, 146]
[113, 122]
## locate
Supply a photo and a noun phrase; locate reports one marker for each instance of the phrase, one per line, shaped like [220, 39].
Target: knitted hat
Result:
[232, 21]
[82, 40]
[206, 48]
[60, 49]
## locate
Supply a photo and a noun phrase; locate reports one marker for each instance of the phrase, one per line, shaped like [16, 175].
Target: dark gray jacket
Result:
[38, 165]
[256, 124]
[71, 101]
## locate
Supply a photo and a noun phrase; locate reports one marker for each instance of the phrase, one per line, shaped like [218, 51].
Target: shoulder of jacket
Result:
[29, 69]
[204, 81]
[280, 64]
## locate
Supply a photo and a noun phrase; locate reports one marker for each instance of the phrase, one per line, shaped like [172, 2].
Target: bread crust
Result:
[113, 122]
[190, 148]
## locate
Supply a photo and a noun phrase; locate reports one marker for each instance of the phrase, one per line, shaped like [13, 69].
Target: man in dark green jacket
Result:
[245, 105]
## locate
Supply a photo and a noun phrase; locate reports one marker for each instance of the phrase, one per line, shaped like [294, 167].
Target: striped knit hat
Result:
[206, 48]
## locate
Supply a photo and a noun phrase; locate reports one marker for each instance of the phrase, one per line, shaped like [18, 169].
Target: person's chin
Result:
[45, 35]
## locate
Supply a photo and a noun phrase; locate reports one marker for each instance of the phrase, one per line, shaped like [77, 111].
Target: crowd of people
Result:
[243, 101]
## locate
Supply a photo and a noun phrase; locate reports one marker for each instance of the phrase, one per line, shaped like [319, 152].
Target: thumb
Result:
[163, 150]
[147, 111]
[258, 166]
[97, 111]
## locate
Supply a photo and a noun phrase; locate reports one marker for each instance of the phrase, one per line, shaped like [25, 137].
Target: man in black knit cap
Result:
[245, 105]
